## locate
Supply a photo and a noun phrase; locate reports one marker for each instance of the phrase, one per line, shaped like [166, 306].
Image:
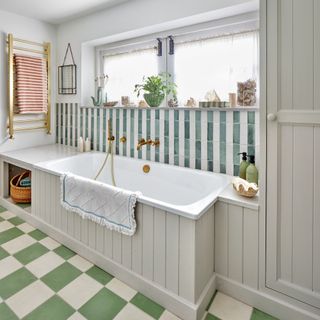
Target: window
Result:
[216, 63]
[203, 60]
[127, 69]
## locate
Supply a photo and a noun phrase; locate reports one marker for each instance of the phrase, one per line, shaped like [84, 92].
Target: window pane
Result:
[217, 63]
[127, 69]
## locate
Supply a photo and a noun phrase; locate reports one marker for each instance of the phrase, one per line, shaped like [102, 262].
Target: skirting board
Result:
[263, 301]
[175, 304]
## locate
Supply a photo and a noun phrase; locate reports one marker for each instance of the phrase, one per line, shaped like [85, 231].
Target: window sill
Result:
[255, 108]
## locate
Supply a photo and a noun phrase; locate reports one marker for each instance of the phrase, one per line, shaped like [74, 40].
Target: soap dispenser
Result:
[243, 165]
[252, 171]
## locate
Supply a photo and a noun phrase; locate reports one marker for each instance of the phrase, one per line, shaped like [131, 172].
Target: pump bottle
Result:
[252, 171]
[243, 165]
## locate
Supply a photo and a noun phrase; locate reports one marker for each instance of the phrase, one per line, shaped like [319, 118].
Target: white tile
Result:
[25, 227]
[7, 215]
[50, 243]
[5, 225]
[18, 244]
[85, 288]
[80, 263]
[133, 313]
[227, 308]
[45, 264]
[121, 289]
[29, 298]
[77, 316]
[8, 265]
[168, 316]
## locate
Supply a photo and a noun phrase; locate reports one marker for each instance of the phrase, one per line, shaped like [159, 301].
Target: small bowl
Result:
[244, 188]
[110, 104]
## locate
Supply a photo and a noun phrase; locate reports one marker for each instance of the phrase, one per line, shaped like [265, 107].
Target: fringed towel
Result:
[104, 204]
[31, 84]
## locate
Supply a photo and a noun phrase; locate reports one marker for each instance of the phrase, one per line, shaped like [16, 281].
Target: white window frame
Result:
[217, 28]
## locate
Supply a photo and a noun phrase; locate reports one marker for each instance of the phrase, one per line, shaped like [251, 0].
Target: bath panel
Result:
[164, 249]
[236, 244]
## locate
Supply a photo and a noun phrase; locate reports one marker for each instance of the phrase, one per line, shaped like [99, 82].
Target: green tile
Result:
[3, 253]
[2, 209]
[37, 234]
[6, 313]
[23, 205]
[10, 234]
[16, 221]
[61, 276]
[251, 134]
[104, 305]
[259, 315]
[210, 317]
[99, 275]
[15, 282]
[31, 253]
[148, 306]
[53, 309]
[251, 117]
[64, 252]
[236, 117]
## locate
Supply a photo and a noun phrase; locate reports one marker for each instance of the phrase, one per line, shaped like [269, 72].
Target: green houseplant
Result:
[155, 88]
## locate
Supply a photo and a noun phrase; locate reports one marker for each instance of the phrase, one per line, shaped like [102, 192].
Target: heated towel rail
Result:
[19, 122]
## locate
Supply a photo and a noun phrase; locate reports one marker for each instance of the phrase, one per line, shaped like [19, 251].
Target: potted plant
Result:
[155, 88]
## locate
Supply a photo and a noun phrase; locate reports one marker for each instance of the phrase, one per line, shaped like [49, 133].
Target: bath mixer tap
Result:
[149, 142]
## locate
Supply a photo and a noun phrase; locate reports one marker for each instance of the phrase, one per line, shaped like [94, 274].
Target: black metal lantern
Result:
[67, 75]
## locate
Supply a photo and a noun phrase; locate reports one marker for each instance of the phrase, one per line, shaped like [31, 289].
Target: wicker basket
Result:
[20, 194]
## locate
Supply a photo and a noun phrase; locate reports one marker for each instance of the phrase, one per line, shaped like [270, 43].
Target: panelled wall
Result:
[237, 243]
[202, 139]
[293, 149]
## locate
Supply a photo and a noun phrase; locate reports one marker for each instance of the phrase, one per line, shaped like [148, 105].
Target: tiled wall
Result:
[202, 139]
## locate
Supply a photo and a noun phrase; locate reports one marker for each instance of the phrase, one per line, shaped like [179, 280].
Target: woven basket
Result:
[20, 194]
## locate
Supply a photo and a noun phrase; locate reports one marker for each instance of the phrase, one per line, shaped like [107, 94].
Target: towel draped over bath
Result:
[104, 204]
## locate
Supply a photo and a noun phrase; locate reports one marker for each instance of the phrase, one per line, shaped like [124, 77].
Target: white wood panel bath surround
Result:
[172, 259]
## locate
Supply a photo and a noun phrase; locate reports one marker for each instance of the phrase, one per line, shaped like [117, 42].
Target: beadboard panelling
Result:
[202, 139]
[236, 243]
[165, 249]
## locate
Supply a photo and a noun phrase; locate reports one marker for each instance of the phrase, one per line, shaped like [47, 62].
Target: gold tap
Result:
[123, 139]
[149, 142]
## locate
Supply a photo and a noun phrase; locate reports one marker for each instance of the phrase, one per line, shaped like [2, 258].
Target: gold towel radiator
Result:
[27, 46]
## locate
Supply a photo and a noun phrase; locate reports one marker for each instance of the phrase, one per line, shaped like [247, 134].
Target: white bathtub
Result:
[179, 190]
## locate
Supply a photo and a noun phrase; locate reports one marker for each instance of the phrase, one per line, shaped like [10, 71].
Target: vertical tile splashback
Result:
[202, 139]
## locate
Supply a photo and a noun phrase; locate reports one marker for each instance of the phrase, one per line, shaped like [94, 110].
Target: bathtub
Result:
[170, 258]
[178, 190]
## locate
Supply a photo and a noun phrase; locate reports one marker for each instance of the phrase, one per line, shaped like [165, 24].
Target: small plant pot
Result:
[153, 100]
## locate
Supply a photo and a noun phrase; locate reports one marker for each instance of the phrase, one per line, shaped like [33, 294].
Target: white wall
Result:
[132, 19]
[30, 29]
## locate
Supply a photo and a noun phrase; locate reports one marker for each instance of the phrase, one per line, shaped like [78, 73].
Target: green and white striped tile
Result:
[202, 139]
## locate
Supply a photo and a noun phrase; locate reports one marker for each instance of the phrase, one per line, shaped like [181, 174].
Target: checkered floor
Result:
[42, 279]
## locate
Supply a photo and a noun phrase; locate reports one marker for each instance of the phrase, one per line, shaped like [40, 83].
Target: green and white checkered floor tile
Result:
[42, 279]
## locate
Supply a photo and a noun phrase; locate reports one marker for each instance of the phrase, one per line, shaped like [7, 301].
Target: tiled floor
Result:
[41, 279]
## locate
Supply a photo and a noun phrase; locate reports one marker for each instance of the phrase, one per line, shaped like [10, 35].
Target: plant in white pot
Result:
[155, 88]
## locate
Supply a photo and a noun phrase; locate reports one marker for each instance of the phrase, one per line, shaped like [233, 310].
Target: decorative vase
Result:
[97, 102]
[153, 100]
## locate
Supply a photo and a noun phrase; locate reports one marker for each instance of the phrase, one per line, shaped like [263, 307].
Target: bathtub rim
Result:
[192, 211]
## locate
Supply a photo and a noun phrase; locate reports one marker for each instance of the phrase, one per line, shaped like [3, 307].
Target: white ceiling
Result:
[56, 11]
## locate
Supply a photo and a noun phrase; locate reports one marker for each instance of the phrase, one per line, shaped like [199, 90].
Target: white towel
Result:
[104, 204]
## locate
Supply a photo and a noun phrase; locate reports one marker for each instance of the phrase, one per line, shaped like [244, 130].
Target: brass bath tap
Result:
[143, 142]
